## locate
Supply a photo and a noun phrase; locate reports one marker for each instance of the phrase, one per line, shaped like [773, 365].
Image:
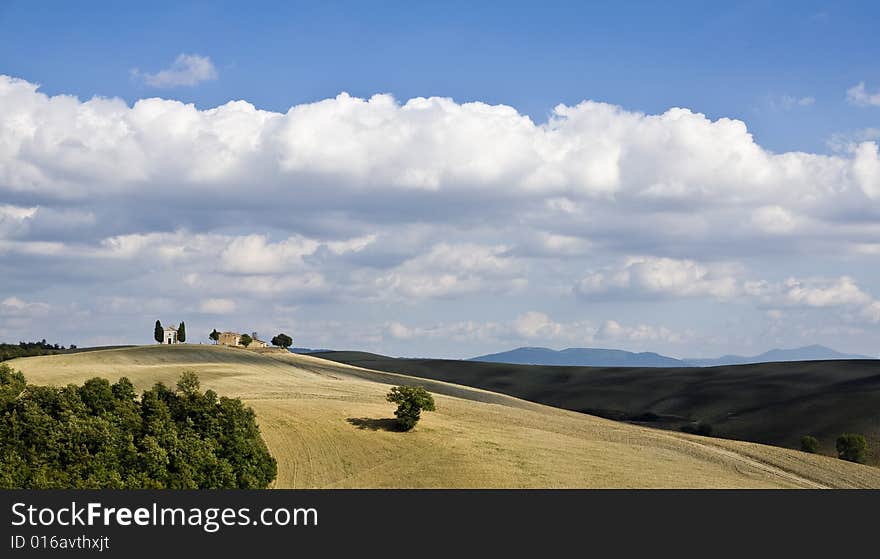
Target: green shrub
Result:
[852, 447]
[410, 400]
[809, 444]
[100, 435]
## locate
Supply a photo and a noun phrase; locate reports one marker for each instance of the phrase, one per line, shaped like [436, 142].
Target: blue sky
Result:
[682, 177]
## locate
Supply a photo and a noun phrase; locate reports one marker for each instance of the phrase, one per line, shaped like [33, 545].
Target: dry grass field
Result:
[327, 424]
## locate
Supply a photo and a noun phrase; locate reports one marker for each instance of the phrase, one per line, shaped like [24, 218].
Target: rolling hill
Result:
[771, 403]
[327, 425]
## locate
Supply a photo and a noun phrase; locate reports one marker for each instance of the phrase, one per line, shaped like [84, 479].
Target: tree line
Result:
[101, 435]
[30, 349]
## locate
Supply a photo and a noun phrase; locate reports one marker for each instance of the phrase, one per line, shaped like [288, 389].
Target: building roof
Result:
[167, 328]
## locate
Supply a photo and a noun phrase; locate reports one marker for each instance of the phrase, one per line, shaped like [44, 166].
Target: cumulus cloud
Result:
[446, 270]
[660, 277]
[537, 325]
[217, 306]
[811, 292]
[591, 150]
[186, 70]
[859, 96]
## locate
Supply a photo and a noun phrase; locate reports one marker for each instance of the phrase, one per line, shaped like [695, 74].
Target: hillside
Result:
[579, 356]
[326, 424]
[772, 403]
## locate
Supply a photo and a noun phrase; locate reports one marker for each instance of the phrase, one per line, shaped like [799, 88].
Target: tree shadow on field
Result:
[374, 424]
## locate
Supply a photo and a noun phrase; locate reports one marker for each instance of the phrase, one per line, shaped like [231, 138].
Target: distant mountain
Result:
[807, 353]
[585, 357]
[305, 350]
[595, 357]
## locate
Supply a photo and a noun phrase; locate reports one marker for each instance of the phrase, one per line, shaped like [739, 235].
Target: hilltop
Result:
[326, 424]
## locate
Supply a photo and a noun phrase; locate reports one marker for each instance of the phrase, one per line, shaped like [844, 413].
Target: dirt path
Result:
[757, 464]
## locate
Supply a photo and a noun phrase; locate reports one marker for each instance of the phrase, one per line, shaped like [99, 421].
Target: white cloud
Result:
[660, 277]
[537, 325]
[775, 220]
[252, 254]
[15, 307]
[790, 102]
[67, 148]
[810, 292]
[842, 142]
[186, 70]
[866, 168]
[612, 330]
[872, 312]
[858, 95]
[448, 270]
[217, 306]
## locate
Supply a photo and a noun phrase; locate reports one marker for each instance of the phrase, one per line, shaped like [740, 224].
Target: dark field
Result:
[773, 403]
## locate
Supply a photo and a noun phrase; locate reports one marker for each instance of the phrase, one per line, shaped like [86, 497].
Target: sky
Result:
[443, 180]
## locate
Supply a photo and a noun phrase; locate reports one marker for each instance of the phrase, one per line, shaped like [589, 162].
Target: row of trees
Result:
[30, 349]
[101, 435]
[851, 447]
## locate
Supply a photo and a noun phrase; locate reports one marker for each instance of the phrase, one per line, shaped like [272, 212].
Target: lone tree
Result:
[410, 400]
[809, 444]
[282, 340]
[159, 332]
[245, 340]
[181, 333]
[214, 335]
[852, 447]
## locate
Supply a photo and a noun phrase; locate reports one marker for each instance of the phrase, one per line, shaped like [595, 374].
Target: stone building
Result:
[170, 335]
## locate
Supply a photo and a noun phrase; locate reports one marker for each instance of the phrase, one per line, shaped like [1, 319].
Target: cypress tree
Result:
[159, 333]
[181, 333]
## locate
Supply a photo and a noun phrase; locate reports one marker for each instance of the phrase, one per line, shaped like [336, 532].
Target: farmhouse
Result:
[234, 339]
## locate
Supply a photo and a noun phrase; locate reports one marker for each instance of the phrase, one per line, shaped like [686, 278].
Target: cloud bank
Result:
[425, 207]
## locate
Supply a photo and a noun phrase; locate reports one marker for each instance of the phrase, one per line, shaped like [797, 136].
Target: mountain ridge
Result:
[602, 357]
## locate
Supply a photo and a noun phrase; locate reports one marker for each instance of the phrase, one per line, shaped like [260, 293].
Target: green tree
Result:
[246, 340]
[181, 332]
[100, 435]
[188, 383]
[809, 444]
[282, 340]
[852, 447]
[159, 333]
[214, 335]
[410, 400]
